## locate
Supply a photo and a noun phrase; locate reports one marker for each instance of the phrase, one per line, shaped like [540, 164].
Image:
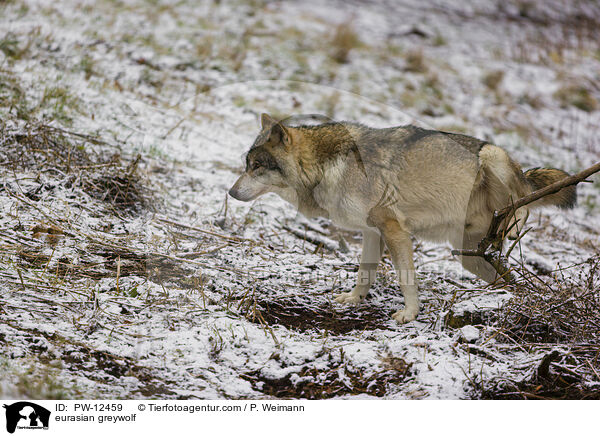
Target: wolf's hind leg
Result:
[475, 264]
[518, 222]
[371, 255]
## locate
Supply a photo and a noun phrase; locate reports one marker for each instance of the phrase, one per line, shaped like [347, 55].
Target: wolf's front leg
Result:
[371, 255]
[400, 246]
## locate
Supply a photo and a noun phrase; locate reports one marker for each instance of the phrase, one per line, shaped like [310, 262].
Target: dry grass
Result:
[415, 62]
[560, 317]
[343, 41]
[99, 366]
[338, 379]
[554, 36]
[493, 79]
[559, 375]
[304, 314]
[534, 101]
[45, 149]
[13, 48]
[555, 309]
[578, 96]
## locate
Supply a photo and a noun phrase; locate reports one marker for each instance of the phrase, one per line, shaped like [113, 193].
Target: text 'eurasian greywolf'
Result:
[393, 183]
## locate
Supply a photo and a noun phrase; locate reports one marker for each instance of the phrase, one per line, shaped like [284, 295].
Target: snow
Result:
[193, 125]
[469, 333]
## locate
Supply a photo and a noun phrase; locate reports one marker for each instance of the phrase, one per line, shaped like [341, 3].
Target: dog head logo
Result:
[26, 415]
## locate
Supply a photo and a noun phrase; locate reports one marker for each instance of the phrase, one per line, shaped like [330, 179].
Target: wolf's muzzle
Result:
[246, 188]
[234, 193]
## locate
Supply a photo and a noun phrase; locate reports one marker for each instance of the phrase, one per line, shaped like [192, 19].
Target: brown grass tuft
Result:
[493, 79]
[415, 62]
[578, 96]
[343, 41]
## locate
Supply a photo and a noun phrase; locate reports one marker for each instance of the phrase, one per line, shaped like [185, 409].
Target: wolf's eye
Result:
[256, 165]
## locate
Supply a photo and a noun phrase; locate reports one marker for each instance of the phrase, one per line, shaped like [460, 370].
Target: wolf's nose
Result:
[233, 192]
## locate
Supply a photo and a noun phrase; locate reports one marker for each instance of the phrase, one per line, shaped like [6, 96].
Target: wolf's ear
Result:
[280, 134]
[267, 121]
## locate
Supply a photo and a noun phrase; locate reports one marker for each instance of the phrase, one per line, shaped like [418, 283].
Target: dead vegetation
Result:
[303, 314]
[551, 34]
[559, 317]
[100, 366]
[339, 378]
[46, 165]
[415, 62]
[69, 159]
[578, 96]
[343, 41]
[493, 79]
[555, 310]
[558, 376]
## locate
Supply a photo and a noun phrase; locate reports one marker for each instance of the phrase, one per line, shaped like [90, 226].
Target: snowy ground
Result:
[135, 278]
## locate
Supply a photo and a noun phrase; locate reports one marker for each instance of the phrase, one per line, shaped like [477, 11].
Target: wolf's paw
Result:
[349, 298]
[406, 315]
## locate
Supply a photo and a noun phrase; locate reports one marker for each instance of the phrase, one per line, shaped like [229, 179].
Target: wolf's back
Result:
[539, 178]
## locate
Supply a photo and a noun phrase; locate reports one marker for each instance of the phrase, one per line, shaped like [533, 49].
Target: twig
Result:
[167, 256]
[516, 241]
[315, 240]
[173, 128]
[201, 253]
[186, 226]
[592, 368]
[118, 273]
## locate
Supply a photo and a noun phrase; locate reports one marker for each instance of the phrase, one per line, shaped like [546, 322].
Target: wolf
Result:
[394, 184]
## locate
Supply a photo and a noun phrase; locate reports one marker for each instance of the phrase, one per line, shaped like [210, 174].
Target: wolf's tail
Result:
[538, 178]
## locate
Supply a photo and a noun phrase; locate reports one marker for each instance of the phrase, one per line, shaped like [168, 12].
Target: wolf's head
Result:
[266, 163]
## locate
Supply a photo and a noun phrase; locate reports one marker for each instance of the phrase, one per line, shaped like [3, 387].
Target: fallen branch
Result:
[198, 229]
[312, 237]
